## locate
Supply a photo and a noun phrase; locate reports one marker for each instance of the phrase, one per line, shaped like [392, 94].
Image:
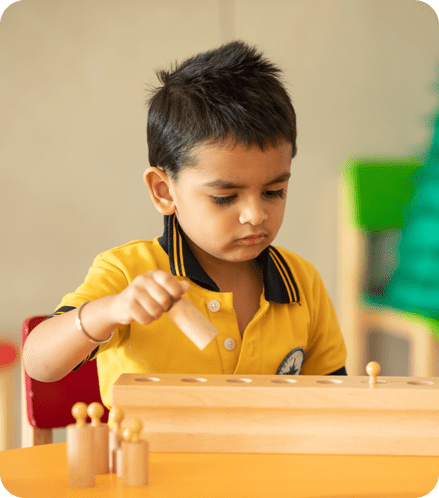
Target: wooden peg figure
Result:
[80, 449]
[116, 415]
[100, 434]
[125, 435]
[135, 456]
[373, 369]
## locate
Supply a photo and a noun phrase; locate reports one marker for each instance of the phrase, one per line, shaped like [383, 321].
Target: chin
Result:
[247, 255]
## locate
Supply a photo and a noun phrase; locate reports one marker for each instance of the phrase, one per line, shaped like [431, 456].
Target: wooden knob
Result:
[136, 427]
[373, 369]
[126, 434]
[95, 411]
[116, 415]
[79, 412]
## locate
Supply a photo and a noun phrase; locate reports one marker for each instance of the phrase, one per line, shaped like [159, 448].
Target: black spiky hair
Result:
[230, 92]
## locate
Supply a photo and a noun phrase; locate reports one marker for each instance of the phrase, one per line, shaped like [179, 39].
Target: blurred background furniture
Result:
[46, 406]
[376, 195]
[9, 354]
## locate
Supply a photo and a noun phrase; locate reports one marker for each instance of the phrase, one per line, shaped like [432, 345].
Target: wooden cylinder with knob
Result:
[135, 456]
[80, 449]
[100, 435]
[373, 369]
[119, 462]
[125, 435]
[116, 416]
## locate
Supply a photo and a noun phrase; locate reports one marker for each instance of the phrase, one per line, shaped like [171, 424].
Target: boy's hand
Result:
[147, 298]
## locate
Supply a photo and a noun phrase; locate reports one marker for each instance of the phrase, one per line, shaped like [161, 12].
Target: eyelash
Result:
[271, 194]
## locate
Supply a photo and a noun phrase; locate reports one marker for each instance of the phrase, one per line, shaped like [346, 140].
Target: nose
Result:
[253, 212]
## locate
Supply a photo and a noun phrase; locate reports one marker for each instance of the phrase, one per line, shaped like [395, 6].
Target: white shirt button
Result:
[229, 344]
[214, 305]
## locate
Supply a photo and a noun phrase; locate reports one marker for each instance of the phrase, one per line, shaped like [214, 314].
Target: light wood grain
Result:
[267, 414]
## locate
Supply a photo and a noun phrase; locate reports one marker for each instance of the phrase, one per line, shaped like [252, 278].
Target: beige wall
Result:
[72, 141]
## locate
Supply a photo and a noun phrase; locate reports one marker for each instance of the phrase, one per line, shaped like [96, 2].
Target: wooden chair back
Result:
[47, 405]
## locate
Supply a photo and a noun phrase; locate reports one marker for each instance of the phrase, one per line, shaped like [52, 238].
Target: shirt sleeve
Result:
[104, 278]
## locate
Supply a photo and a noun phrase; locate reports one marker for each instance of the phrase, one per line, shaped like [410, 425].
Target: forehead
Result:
[231, 161]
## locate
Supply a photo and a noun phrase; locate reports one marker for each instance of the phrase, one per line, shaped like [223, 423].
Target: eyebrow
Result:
[226, 185]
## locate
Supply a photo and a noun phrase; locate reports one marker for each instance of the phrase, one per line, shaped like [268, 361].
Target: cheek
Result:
[281, 212]
[277, 216]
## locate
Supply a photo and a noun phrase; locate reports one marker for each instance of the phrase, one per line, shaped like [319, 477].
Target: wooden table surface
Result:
[41, 472]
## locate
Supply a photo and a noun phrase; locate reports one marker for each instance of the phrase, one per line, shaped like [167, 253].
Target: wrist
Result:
[112, 310]
[80, 326]
[94, 322]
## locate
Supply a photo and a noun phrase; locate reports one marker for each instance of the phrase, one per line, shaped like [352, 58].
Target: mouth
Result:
[252, 239]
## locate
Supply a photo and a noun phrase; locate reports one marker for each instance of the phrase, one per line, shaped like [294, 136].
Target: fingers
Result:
[170, 284]
[155, 298]
[149, 296]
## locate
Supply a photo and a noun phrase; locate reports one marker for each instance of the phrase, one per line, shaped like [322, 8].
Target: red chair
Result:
[48, 405]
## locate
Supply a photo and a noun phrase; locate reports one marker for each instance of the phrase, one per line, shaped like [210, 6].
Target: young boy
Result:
[221, 136]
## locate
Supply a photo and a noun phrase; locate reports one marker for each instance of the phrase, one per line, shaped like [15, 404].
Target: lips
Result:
[249, 237]
[252, 239]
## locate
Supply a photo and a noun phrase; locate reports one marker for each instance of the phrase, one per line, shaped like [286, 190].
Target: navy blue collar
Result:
[279, 283]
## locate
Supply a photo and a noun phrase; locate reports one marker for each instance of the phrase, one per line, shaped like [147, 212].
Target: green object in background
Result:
[404, 195]
[382, 188]
[391, 194]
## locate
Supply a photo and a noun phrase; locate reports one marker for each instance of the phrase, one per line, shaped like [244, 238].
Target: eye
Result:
[221, 201]
[272, 194]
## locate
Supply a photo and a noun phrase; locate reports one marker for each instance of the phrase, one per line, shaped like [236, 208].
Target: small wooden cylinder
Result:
[80, 456]
[135, 463]
[113, 445]
[192, 323]
[119, 462]
[101, 449]
[114, 420]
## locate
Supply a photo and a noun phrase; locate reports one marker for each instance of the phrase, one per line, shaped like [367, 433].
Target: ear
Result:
[158, 183]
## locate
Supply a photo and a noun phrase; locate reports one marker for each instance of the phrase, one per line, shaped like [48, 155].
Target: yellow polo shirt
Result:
[294, 331]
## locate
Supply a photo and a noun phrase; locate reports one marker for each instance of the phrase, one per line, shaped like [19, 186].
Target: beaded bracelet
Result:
[81, 328]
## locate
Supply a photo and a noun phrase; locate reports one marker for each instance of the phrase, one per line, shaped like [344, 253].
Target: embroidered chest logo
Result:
[292, 365]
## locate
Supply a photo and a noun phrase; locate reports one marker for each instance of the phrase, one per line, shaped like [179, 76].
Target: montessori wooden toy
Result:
[114, 437]
[119, 456]
[373, 369]
[135, 456]
[100, 436]
[80, 449]
[192, 323]
[284, 414]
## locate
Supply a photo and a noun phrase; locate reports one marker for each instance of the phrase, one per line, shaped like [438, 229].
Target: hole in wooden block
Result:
[420, 382]
[284, 381]
[147, 379]
[330, 381]
[239, 380]
[194, 379]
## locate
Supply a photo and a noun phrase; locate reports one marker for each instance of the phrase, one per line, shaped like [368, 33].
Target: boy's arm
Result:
[56, 346]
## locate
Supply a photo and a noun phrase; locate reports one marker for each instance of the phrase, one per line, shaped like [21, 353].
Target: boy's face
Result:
[231, 203]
